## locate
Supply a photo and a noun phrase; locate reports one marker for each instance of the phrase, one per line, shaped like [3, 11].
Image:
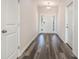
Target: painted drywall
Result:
[28, 20]
[45, 11]
[61, 21]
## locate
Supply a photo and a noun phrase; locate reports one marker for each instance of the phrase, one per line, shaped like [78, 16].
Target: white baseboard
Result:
[63, 39]
[27, 46]
[76, 54]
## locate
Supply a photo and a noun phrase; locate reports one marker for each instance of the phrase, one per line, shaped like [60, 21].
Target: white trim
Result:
[19, 26]
[27, 45]
[67, 3]
[75, 10]
[61, 37]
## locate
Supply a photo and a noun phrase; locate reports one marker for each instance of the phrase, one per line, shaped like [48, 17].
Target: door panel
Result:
[13, 56]
[10, 24]
[11, 11]
[11, 44]
[11, 29]
[70, 24]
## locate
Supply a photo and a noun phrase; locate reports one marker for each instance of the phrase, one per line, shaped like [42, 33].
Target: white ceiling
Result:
[43, 3]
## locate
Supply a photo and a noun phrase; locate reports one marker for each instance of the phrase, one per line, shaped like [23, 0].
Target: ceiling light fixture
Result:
[48, 7]
[49, 3]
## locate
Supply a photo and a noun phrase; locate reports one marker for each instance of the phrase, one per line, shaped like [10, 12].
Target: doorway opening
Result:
[47, 24]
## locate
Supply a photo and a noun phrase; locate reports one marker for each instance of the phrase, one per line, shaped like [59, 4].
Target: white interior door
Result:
[69, 24]
[9, 29]
[47, 24]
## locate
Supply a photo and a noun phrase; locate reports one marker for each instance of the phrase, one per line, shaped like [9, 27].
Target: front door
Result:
[47, 24]
[9, 29]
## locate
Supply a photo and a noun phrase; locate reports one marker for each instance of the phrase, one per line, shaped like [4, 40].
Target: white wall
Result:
[45, 11]
[61, 21]
[28, 17]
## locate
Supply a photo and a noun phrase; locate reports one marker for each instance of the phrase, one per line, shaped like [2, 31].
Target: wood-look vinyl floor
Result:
[48, 46]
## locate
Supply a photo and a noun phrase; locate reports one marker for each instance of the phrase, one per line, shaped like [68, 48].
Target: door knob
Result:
[4, 31]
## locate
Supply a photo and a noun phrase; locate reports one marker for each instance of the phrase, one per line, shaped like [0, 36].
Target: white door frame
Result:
[67, 3]
[3, 54]
[19, 26]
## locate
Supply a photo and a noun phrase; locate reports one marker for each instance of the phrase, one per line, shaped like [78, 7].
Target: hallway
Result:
[39, 29]
[48, 46]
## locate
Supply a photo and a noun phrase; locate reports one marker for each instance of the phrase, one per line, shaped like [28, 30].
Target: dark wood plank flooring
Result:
[48, 46]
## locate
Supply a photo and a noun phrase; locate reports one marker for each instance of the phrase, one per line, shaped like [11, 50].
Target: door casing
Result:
[68, 3]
